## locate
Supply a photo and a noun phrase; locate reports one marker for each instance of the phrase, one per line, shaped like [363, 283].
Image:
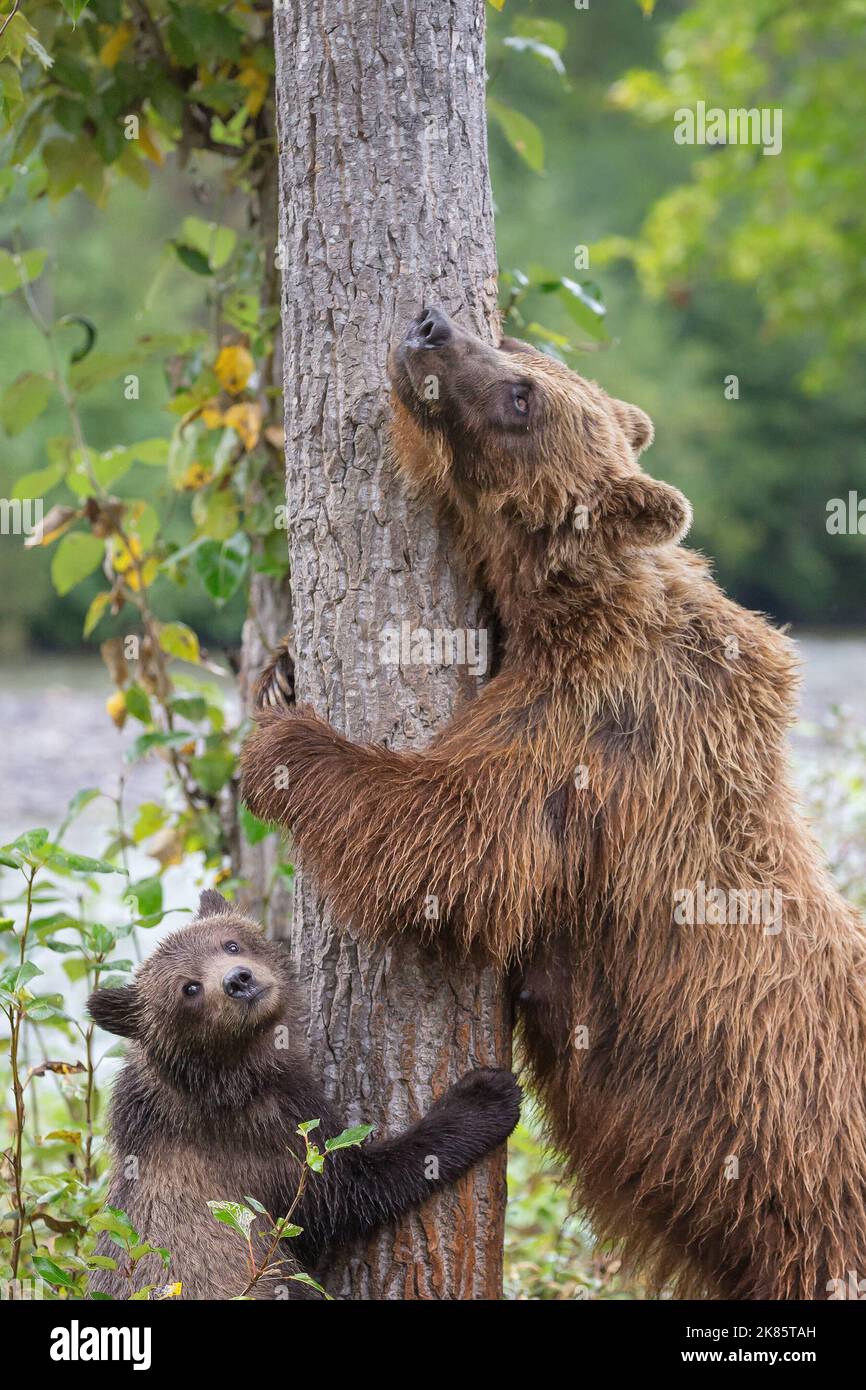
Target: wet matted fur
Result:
[207, 1107]
[704, 1081]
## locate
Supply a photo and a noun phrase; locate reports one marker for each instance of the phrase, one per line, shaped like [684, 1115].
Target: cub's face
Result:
[209, 989]
[510, 429]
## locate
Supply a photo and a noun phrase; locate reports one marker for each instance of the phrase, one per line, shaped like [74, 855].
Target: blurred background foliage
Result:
[138, 290]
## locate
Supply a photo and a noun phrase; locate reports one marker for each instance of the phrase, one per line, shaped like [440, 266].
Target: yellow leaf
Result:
[143, 576]
[234, 367]
[96, 610]
[256, 83]
[148, 146]
[126, 560]
[58, 520]
[196, 476]
[123, 556]
[115, 44]
[211, 415]
[176, 639]
[246, 420]
[167, 846]
[67, 1136]
[115, 707]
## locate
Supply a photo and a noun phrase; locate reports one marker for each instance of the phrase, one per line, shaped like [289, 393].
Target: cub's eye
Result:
[520, 399]
[232, 947]
[191, 989]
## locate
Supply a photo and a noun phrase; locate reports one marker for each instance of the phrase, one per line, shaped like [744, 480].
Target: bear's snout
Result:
[431, 329]
[241, 983]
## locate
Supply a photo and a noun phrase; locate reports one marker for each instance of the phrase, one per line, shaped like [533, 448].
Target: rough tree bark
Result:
[385, 205]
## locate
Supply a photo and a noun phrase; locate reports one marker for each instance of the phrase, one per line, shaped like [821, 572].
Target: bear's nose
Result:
[240, 982]
[432, 329]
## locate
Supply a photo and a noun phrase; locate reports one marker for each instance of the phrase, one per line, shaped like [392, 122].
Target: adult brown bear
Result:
[612, 817]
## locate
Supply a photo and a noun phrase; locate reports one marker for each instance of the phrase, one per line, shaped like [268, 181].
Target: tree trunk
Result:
[385, 205]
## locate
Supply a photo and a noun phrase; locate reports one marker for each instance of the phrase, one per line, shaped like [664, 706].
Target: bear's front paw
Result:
[492, 1093]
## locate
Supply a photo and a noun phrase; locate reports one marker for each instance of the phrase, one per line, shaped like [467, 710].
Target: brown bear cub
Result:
[207, 1107]
[613, 819]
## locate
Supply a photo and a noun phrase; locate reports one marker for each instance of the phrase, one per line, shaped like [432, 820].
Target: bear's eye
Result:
[191, 989]
[520, 399]
[232, 947]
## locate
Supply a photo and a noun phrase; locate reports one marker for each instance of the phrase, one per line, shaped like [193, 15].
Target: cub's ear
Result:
[640, 510]
[212, 904]
[115, 1010]
[636, 425]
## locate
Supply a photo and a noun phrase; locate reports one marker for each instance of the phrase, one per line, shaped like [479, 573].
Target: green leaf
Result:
[57, 858]
[305, 1278]
[52, 1273]
[146, 742]
[30, 842]
[44, 1007]
[147, 896]
[117, 1223]
[74, 8]
[213, 769]
[16, 270]
[138, 704]
[215, 243]
[151, 817]
[192, 258]
[349, 1138]
[522, 134]
[256, 1206]
[99, 367]
[24, 401]
[234, 1215]
[286, 1230]
[39, 482]
[222, 565]
[308, 1125]
[76, 806]
[151, 451]
[192, 707]
[14, 977]
[255, 830]
[587, 311]
[77, 556]
[179, 640]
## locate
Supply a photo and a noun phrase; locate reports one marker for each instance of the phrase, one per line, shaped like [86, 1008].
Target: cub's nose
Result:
[431, 329]
[240, 982]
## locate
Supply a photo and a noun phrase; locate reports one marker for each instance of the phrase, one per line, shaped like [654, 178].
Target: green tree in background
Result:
[790, 225]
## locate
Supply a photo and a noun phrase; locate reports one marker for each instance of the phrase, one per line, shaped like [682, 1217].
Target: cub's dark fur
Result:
[208, 1103]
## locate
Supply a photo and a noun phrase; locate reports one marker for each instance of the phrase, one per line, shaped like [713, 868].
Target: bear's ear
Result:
[115, 1010]
[636, 425]
[640, 510]
[213, 904]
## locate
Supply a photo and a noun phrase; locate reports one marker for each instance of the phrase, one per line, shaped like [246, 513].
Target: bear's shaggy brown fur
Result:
[704, 1081]
[207, 1108]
